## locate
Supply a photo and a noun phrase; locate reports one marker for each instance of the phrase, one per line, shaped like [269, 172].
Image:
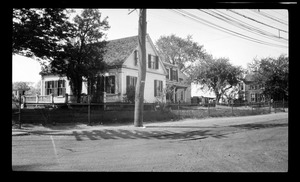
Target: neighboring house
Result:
[204, 95]
[122, 59]
[177, 82]
[253, 91]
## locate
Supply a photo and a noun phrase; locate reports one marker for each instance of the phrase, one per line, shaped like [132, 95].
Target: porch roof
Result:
[177, 84]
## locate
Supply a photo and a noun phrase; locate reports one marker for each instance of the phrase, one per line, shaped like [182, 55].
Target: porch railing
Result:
[107, 98]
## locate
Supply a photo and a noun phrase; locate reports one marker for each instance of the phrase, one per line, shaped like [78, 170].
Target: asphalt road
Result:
[237, 144]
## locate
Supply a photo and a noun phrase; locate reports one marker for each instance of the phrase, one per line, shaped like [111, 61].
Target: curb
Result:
[19, 133]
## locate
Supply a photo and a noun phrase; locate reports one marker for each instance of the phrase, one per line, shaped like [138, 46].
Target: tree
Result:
[180, 51]
[39, 32]
[272, 73]
[21, 85]
[82, 54]
[218, 75]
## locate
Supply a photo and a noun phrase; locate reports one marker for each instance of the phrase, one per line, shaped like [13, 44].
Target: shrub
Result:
[130, 94]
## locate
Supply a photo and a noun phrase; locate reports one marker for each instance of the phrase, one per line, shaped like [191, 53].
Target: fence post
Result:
[104, 100]
[36, 99]
[232, 109]
[66, 98]
[52, 99]
[179, 109]
[89, 110]
[20, 122]
[270, 107]
[208, 109]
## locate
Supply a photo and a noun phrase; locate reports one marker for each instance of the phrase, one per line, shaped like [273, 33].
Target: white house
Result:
[122, 59]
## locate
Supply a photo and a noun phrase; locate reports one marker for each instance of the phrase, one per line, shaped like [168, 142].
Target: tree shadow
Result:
[255, 126]
[107, 134]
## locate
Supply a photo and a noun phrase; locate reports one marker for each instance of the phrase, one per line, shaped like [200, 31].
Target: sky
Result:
[205, 29]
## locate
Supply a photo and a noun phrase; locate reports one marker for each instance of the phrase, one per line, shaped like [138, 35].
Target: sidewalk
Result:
[70, 128]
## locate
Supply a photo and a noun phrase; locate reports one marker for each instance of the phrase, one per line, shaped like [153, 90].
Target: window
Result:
[252, 97]
[57, 88]
[153, 62]
[158, 88]
[110, 84]
[182, 95]
[241, 86]
[173, 74]
[131, 81]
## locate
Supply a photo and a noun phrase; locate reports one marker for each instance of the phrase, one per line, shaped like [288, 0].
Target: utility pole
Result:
[139, 93]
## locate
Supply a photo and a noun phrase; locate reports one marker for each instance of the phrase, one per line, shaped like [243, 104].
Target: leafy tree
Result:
[218, 75]
[21, 85]
[39, 32]
[83, 55]
[272, 73]
[73, 49]
[180, 51]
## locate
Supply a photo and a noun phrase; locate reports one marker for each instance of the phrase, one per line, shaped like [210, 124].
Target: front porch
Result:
[41, 99]
[177, 92]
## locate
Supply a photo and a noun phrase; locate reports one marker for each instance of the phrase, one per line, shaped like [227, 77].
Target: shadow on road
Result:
[201, 133]
[254, 126]
[137, 134]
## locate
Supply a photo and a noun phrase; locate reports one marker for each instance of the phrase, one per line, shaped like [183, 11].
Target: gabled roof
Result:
[118, 50]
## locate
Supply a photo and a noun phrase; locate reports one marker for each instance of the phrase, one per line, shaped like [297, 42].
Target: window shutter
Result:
[127, 81]
[149, 61]
[171, 74]
[155, 94]
[167, 76]
[134, 81]
[160, 87]
[176, 75]
[113, 85]
[156, 62]
[136, 56]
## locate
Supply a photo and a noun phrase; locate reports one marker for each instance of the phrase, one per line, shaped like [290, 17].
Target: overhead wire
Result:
[269, 16]
[215, 26]
[256, 20]
[237, 23]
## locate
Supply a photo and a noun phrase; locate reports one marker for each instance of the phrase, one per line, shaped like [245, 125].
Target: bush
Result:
[130, 94]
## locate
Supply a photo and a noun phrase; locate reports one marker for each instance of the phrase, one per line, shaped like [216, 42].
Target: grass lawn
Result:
[127, 116]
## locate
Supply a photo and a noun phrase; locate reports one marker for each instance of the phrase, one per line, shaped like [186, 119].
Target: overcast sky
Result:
[240, 38]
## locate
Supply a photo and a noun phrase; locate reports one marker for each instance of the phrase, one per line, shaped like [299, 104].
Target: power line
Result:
[242, 25]
[212, 25]
[269, 16]
[274, 11]
[257, 21]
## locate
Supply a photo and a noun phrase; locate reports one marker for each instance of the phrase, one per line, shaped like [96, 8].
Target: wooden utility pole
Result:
[139, 93]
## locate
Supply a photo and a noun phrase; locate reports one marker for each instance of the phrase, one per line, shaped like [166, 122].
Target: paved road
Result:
[252, 143]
